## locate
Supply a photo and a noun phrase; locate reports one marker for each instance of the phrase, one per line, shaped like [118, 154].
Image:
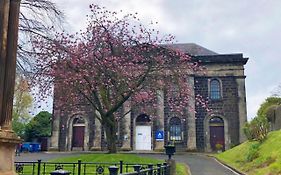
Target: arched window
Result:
[215, 89]
[175, 129]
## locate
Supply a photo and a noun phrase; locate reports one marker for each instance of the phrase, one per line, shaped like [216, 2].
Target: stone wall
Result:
[274, 117]
[278, 118]
[226, 107]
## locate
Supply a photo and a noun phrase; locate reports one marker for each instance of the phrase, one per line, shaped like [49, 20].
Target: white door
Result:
[143, 137]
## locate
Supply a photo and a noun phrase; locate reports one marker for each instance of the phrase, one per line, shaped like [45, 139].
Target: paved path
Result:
[199, 163]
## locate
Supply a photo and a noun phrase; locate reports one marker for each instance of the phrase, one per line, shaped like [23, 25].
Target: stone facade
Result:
[223, 84]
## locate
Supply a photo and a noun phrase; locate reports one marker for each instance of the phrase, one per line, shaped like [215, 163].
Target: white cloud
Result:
[255, 99]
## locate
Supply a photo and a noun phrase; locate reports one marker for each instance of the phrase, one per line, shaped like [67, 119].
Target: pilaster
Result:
[126, 146]
[241, 107]
[159, 144]
[191, 124]
[97, 138]
[54, 145]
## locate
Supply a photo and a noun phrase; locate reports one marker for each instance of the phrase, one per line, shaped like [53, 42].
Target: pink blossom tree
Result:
[116, 59]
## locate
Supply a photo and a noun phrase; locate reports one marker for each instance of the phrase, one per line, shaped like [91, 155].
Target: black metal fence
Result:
[90, 168]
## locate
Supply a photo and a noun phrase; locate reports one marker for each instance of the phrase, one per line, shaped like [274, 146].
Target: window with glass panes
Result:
[215, 90]
[175, 129]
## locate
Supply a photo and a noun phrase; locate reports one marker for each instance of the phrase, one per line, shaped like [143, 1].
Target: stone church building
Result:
[223, 83]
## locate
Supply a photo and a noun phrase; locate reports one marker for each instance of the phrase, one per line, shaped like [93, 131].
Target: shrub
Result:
[257, 129]
[253, 152]
[219, 147]
[248, 131]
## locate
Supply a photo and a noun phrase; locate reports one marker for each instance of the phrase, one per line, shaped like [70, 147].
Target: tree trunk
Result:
[111, 138]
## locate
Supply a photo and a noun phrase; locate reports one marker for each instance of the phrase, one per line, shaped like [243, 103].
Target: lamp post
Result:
[170, 150]
[9, 21]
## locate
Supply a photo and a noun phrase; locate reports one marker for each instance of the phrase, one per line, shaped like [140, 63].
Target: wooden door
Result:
[216, 136]
[78, 136]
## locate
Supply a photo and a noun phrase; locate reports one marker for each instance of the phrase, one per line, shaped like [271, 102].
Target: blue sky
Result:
[251, 27]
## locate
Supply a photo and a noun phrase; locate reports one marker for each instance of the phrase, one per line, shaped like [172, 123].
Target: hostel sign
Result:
[159, 135]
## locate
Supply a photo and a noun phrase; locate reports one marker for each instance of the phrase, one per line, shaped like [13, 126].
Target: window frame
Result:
[215, 94]
[175, 130]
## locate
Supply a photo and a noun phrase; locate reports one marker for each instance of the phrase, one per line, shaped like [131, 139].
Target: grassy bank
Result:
[254, 158]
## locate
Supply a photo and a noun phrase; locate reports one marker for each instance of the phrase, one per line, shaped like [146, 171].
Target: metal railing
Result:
[91, 168]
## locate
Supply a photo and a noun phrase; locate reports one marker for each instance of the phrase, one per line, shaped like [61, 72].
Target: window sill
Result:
[216, 100]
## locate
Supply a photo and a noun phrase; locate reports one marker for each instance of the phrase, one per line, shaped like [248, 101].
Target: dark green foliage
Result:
[257, 129]
[253, 152]
[39, 126]
[270, 101]
[18, 128]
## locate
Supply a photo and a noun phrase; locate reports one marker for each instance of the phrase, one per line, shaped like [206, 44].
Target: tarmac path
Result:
[198, 163]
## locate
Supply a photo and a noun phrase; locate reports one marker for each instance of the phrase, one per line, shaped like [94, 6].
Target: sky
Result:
[251, 27]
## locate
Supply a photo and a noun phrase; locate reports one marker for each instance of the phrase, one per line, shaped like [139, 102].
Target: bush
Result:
[219, 147]
[39, 126]
[257, 129]
[253, 152]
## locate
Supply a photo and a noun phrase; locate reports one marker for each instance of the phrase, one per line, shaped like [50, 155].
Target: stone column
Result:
[4, 16]
[191, 124]
[9, 19]
[54, 145]
[159, 145]
[127, 130]
[8, 142]
[241, 107]
[97, 138]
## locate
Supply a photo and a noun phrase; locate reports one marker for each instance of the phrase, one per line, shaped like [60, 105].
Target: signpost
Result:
[159, 135]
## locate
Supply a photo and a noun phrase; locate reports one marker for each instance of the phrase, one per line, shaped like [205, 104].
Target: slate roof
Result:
[206, 56]
[191, 48]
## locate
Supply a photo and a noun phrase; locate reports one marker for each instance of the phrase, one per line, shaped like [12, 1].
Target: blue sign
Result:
[159, 135]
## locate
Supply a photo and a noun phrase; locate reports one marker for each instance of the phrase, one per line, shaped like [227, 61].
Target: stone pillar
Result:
[159, 145]
[9, 19]
[97, 138]
[54, 145]
[4, 15]
[8, 60]
[191, 124]
[127, 130]
[8, 142]
[241, 107]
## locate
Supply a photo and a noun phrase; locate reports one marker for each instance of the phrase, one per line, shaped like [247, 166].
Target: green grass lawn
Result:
[115, 158]
[111, 159]
[266, 160]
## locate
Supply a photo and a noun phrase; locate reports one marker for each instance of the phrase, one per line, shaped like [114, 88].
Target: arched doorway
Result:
[78, 134]
[143, 133]
[216, 125]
